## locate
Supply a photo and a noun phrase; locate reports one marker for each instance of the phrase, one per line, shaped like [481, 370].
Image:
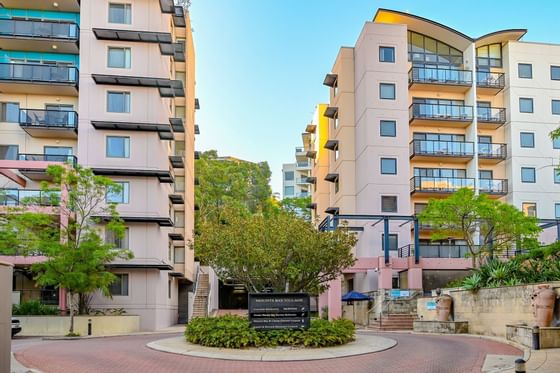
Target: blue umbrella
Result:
[354, 296]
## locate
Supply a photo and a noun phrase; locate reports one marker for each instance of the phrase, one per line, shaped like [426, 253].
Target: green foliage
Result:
[236, 332]
[279, 251]
[33, 308]
[466, 216]
[456, 283]
[72, 334]
[298, 206]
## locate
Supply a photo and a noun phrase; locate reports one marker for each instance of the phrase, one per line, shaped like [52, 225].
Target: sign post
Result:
[268, 311]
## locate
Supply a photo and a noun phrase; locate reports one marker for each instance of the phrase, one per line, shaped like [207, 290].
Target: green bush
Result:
[33, 308]
[236, 332]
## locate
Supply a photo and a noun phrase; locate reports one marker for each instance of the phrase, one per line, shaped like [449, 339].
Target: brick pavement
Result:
[413, 353]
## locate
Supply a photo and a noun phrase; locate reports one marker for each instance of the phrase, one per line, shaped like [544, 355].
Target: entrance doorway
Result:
[232, 296]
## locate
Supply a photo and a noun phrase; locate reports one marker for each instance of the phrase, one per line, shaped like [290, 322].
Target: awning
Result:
[161, 221]
[132, 35]
[330, 79]
[176, 199]
[331, 144]
[196, 129]
[176, 236]
[167, 87]
[331, 177]
[131, 126]
[196, 104]
[311, 154]
[176, 274]
[312, 206]
[311, 128]
[163, 176]
[331, 112]
[354, 296]
[311, 179]
[167, 6]
[196, 155]
[179, 17]
[176, 161]
[141, 264]
[332, 210]
[177, 124]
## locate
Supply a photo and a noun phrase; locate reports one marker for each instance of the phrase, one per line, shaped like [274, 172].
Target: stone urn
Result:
[542, 301]
[443, 307]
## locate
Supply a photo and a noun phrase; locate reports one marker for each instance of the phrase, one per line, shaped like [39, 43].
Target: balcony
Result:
[490, 117]
[435, 251]
[491, 153]
[27, 197]
[63, 5]
[488, 83]
[303, 166]
[39, 36]
[493, 187]
[36, 170]
[49, 123]
[432, 150]
[428, 185]
[39, 79]
[442, 115]
[447, 80]
[302, 180]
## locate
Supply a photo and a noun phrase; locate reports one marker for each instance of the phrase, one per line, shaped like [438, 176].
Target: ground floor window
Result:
[120, 285]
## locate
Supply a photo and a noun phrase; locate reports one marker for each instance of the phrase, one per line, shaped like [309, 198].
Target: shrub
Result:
[236, 332]
[33, 308]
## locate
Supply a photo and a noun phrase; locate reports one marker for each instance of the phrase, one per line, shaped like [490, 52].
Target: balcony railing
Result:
[436, 251]
[300, 149]
[491, 114]
[441, 112]
[439, 184]
[492, 151]
[432, 75]
[486, 79]
[493, 186]
[39, 29]
[441, 148]
[26, 197]
[38, 73]
[70, 159]
[303, 164]
[48, 118]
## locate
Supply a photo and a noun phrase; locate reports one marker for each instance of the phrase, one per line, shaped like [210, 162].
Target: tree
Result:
[279, 251]
[488, 226]
[298, 206]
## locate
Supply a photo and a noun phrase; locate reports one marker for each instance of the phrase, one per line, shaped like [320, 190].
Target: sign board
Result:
[430, 305]
[400, 293]
[268, 311]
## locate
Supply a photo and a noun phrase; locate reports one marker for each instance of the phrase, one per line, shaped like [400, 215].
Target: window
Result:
[556, 143]
[529, 209]
[525, 105]
[179, 219]
[336, 185]
[289, 191]
[489, 56]
[118, 58]
[289, 175]
[419, 207]
[388, 128]
[485, 174]
[556, 175]
[119, 196]
[118, 242]
[335, 119]
[525, 70]
[118, 147]
[527, 139]
[458, 173]
[120, 13]
[393, 242]
[179, 112]
[180, 148]
[179, 183]
[336, 152]
[335, 88]
[179, 254]
[386, 54]
[555, 72]
[423, 49]
[528, 175]
[556, 107]
[118, 102]
[388, 203]
[9, 152]
[58, 153]
[387, 91]
[120, 285]
[557, 210]
[9, 112]
[388, 166]
[169, 289]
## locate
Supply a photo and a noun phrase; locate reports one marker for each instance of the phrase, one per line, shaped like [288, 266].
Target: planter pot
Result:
[542, 301]
[443, 307]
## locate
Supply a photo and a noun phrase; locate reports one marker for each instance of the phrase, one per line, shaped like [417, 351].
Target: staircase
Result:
[200, 303]
[391, 322]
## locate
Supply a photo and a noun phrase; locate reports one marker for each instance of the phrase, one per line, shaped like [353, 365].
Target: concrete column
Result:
[323, 301]
[62, 303]
[386, 278]
[5, 316]
[415, 278]
[335, 299]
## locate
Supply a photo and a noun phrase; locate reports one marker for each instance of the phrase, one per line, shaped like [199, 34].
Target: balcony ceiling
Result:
[132, 35]
[36, 44]
[63, 5]
[52, 132]
[39, 88]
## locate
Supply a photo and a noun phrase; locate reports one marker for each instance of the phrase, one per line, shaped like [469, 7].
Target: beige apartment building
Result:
[109, 85]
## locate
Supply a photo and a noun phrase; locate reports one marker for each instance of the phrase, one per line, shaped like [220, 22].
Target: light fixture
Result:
[54, 46]
[55, 4]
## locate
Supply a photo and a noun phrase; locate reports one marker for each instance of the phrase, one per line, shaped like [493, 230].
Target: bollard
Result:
[520, 366]
[536, 338]
[89, 327]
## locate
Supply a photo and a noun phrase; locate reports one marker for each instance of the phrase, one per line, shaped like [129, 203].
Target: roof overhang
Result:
[501, 36]
[132, 35]
[162, 266]
[331, 112]
[331, 177]
[331, 144]
[167, 87]
[176, 274]
[330, 80]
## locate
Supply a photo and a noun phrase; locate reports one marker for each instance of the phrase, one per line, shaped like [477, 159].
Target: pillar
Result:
[415, 278]
[62, 304]
[385, 278]
[335, 299]
[323, 302]
[5, 316]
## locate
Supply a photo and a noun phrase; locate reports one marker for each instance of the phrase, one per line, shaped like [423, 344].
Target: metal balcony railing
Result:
[70, 159]
[493, 186]
[435, 251]
[432, 75]
[491, 114]
[439, 184]
[26, 197]
[441, 148]
[22, 72]
[39, 29]
[441, 112]
[492, 150]
[48, 118]
[486, 79]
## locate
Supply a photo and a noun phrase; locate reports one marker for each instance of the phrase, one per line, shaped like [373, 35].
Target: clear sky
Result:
[261, 63]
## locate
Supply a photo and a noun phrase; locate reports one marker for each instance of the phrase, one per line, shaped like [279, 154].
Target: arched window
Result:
[423, 50]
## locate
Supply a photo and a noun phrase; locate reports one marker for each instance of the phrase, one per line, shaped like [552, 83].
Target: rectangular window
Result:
[335, 121]
[9, 152]
[388, 128]
[529, 209]
[555, 72]
[179, 183]
[289, 175]
[525, 105]
[556, 175]
[118, 102]
[336, 152]
[485, 174]
[180, 148]
[9, 112]
[557, 210]
[118, 242]
[120, 13]
[525, 70]
[388, 166]
[179, 254]
[118, 58]
[119, 196]
[393, 242]
[387, 91]
[527, 139]
[118, 147]
[289, 191]
[120, 285]
[169, 289]
[556, 107]
[386, 54]
[388, 203]
[556, 143]
[528, 175]
[179, 219]
[336, 185]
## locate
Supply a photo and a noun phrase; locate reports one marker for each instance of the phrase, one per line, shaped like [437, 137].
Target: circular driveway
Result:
[413, 353]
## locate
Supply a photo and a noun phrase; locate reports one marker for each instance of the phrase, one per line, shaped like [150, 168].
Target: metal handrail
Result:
[29, 72]
[488, 79]
[440, 184]
[434, 75]
[62, 158]
[39, 29]
[492, 150]
[493, 186]
[48, 118]
[17, 197]
[491, 114]
[445, 148]
[440, 112]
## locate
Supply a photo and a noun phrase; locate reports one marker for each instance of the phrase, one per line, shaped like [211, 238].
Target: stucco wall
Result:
[59, 325]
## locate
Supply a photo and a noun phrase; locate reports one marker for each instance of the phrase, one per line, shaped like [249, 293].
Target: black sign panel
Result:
[269, 311]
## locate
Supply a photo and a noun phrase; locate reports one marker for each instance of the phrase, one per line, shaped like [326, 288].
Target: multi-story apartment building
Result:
[294, 176]
[109, 85]
[418, 110]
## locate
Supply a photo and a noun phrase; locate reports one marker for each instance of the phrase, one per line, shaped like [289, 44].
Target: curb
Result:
[63, 338]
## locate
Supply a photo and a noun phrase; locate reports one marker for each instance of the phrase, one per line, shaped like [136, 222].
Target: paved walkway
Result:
[413, 353]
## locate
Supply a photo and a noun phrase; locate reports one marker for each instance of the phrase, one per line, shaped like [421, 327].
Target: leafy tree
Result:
[278, 251]
[298, 206]
[488, 226]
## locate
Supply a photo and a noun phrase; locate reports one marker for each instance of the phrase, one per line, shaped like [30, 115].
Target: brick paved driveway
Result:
[413, 353]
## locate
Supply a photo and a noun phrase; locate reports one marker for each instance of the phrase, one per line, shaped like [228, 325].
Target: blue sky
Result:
[261, 63]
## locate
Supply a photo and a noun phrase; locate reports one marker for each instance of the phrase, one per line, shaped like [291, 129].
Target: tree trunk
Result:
[71, 331]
